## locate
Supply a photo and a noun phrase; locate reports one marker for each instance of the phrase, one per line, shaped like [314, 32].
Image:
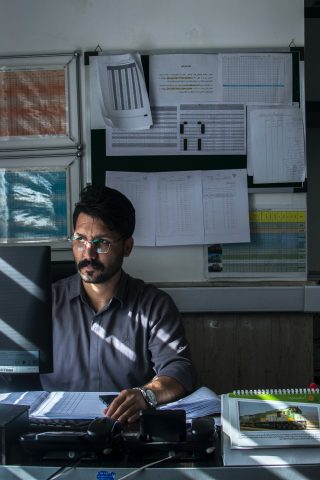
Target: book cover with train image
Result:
[272, 418]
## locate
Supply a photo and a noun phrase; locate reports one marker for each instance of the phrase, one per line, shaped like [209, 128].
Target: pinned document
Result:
[276, 147]
[122, 91]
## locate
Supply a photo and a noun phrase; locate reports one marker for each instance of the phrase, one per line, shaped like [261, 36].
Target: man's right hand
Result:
[126, 406]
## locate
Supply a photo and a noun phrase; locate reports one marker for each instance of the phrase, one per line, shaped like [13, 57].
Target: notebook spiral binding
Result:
[276, 391]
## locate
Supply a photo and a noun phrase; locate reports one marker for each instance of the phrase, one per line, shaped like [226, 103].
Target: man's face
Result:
[96, 267]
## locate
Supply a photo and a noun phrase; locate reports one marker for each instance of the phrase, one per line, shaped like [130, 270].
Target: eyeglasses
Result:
[101, 245]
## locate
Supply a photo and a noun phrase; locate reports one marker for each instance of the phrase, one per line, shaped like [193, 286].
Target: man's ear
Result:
[128, 246]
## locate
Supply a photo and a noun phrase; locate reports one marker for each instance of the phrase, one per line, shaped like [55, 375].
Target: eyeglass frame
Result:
[84, 243]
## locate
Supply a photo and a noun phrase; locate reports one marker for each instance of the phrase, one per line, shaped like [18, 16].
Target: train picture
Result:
[289, 417]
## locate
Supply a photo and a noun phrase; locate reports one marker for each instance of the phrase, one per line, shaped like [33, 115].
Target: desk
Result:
[32, 468]
[210, 468]
[298, 472]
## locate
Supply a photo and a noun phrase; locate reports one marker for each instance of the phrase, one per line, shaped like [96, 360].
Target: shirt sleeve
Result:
[170, 351]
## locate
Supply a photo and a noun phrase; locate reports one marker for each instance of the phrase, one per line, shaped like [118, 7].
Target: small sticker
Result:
[103, 475]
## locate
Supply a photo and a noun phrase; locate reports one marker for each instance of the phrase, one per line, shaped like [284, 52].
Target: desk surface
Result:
[114, 468]
[298, 472]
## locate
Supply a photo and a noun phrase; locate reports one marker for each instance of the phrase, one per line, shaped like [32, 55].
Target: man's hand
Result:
[126, 406]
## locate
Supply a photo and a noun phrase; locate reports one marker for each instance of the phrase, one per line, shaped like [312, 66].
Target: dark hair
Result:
[108, 204]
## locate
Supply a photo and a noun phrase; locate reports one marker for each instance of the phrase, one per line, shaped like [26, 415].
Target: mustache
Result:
[92, 263]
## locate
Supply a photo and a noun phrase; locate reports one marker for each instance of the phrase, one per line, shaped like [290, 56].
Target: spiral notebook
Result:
[272, 418]
[276, 426]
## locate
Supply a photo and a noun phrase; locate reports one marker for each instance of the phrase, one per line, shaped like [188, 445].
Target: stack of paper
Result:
[82, 405]
[200, 403]
[87, 405]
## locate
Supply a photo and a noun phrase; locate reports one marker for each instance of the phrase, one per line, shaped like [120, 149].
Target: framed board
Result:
[39, 98]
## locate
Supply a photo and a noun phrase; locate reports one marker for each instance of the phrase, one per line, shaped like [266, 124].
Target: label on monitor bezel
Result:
[17, 361]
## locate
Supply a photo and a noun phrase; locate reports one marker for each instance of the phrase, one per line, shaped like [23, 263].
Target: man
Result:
[112, 332]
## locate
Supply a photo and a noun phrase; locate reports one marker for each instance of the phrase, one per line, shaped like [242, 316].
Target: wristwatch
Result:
[148, 395]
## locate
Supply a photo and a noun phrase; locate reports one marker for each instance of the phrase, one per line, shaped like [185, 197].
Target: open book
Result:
[70, 405]
[271, 427]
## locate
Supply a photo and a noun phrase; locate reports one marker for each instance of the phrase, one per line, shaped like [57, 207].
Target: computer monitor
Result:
[25, 310]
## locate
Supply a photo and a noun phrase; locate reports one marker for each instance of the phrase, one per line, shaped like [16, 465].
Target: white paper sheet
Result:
[277, 150]
[71, 405]
[256, 77]
[160, 139]
[183, 78]
[179, 208]
[81, 405]
[140, 188]
[122, 93]
[187, 129]
[221, 78]
[225, 202]
[250, 138]
[186, 207]
[200, 403]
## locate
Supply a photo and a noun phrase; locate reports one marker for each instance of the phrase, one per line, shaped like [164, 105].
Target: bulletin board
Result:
[100, 162]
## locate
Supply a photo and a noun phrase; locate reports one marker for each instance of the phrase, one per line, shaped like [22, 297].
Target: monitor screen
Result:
[25, 310]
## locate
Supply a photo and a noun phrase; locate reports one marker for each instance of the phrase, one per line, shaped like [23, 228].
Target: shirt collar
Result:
[76, 288]
[120, 293]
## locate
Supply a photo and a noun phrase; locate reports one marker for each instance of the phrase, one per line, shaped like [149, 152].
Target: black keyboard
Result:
[58, 424]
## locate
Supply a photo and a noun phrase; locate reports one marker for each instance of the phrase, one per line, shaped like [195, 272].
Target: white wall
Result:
[44, 26]
[61, 25]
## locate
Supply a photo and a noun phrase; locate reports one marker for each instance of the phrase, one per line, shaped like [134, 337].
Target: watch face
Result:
[151, 398]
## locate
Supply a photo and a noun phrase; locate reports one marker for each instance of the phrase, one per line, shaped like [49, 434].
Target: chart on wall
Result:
[39, 99]
[34, 204]
[278, 246]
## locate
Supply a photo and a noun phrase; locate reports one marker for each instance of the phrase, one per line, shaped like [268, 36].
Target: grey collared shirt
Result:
[136, 336]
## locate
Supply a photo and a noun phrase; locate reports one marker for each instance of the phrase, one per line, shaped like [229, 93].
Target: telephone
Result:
[157, 432]
[104, 428]
[102, 436]
[168, 431]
